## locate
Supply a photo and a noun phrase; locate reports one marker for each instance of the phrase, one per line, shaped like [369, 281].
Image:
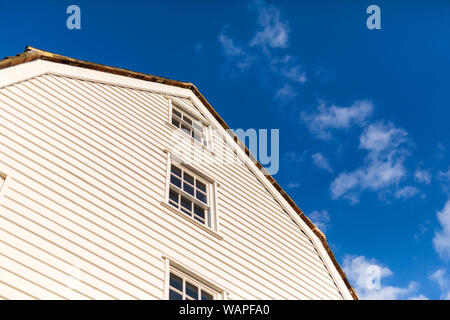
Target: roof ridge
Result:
[46, 55]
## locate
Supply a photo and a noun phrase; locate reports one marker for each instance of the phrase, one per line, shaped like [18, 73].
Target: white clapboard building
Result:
[101, 196]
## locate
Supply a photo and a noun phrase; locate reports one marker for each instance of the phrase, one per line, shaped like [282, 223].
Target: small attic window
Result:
[189, 125]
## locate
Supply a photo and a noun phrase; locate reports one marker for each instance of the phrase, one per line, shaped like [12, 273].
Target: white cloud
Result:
[229, 48]
[294, 73]
[422, 176]
[293, 185]
[441, 240]
[321, 162]
[344, 183]
[293, 158]
[442, 279]
[380, 137]
[285, 94]
[321, 219]
[383, 166]
[321, 123]
[367, 276]
[265, 49]
[423, 228]
[274, 32]
[406, 192]
[376, 175]
[444, 177]
[234, 53]
[288, 68]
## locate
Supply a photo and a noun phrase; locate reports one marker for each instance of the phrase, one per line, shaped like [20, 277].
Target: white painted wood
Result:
[5, 181]
[166, 277]
[86, 153]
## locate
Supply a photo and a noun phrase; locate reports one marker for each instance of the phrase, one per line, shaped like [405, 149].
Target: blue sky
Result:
[363, 114]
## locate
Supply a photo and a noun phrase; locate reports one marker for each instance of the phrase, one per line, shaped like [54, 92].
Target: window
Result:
[190, 194]
[189, 125]
[182, 287]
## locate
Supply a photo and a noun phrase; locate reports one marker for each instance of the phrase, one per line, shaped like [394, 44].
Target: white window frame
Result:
[211, 188]
[206, 136]
[201, 287]
[187, 274]
[195, 203]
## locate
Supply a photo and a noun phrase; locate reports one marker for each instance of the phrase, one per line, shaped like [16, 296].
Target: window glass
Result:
[176, 282]
[175, 181]
[173, 295]
[191, 291]
[206, 296]
[185, 288]
[194, 128]
[189, 194]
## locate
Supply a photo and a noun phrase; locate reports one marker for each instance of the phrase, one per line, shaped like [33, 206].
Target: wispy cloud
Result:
[328, 118]
[288, 68]
[235, 54]
[321, 219]
[229, 48]
[422, 176]
[441, 240]
[440, 154]
[285, 94]
[368, 276]
[381, 137]
[274, 32]
[443, 280]
[293, 185]
[383, 167]
[293, 158]
[444, 177]
[265, 48]
[321, 162]
[406, 192]
[423, 228]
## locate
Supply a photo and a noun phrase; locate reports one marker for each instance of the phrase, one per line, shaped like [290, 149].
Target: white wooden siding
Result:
[88, 175]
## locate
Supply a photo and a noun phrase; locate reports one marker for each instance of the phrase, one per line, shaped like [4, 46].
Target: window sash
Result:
[193, 186]
[191, 211]
[201, 288]
[195, 205]
[191, 127]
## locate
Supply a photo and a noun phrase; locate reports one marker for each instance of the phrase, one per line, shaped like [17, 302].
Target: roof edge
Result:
[32, 54]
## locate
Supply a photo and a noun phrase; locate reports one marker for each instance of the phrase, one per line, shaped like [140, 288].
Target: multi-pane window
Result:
[188, 124]
[184, 288]
[189, 194]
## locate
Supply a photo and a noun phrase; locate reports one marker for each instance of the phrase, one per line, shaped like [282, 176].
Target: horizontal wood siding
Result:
[87, 164]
